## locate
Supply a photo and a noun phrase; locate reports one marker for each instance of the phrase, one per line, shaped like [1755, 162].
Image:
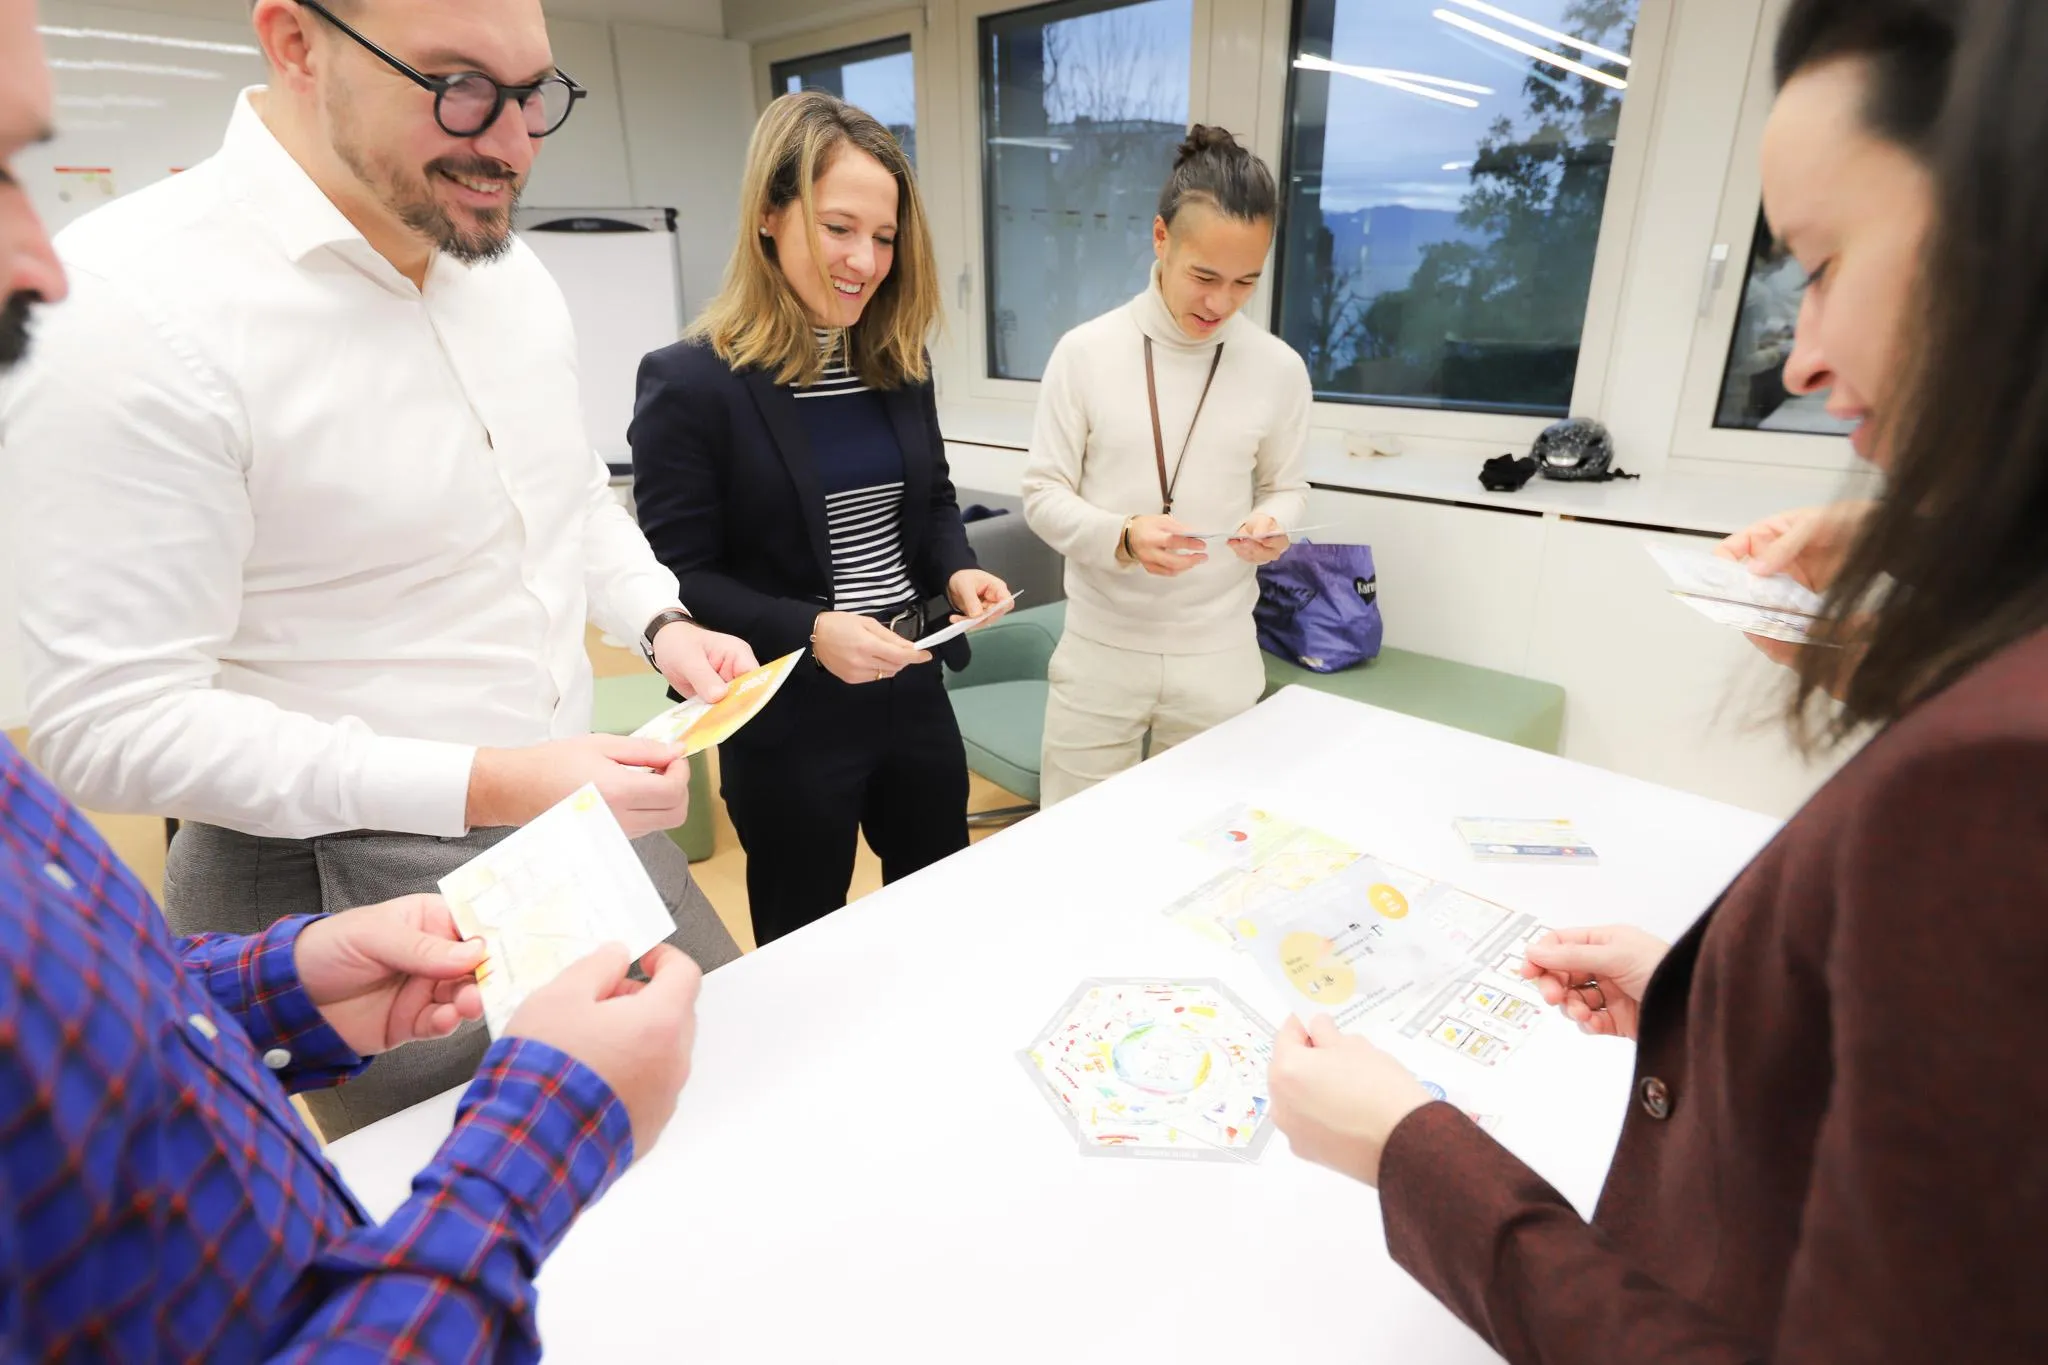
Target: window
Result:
[880, 78]
[1447, 169]
[1753, 395]
[1083, 103]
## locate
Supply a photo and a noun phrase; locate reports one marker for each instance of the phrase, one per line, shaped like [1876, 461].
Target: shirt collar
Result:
[278, 188]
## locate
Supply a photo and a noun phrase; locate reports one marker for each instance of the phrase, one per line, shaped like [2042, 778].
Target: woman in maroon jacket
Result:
[1835, 1147]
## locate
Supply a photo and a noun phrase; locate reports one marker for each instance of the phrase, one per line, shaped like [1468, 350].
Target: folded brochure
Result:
[548, 895]
[697, 724]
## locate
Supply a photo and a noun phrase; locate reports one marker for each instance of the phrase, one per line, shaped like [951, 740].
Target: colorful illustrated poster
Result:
[700, 725]
[1379, 945]
[1153, 1068]
[1269, 857]
[548, 895]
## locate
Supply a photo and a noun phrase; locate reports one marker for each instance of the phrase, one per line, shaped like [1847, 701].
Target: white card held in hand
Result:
[959, 628]
[548, 895]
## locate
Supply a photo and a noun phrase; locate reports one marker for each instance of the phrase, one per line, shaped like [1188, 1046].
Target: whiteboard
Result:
[621, 274]
[139, 96]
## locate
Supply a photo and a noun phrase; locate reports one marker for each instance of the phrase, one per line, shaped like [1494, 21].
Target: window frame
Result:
[968, 350]
[1627, 183]
[889, 26]
[1722, 285]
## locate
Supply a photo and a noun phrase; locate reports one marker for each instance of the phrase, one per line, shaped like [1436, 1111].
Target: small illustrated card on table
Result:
[1777, 608]
[1144, 1068]
[1379, 945]
[698, 725]
[1524, 841]
[959, 628]
[550, 894]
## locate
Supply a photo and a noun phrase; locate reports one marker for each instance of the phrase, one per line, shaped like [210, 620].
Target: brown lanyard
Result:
[1158, 441]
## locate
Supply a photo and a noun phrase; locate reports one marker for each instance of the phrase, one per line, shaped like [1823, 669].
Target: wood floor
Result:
[139, 840]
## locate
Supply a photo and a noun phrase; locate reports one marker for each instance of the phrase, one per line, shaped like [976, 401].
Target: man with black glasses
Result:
[310, 531]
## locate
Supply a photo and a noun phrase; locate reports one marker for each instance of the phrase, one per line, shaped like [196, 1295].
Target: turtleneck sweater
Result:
[1092, 465]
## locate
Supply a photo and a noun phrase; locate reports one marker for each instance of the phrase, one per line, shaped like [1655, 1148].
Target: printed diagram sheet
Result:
[1153, 1068]
[1269, 857]
[1377, 945]
[548, 895]
[697, 725]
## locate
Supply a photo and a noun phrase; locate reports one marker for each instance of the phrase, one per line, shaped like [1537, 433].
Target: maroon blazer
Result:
[1837, 1146]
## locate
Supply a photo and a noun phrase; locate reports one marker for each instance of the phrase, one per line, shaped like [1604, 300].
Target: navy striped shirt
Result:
[860, 466]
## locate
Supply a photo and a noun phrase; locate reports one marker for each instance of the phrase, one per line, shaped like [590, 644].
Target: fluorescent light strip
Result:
[1591, 49]
[1042, 144]
[153, 39]
[191, 73]
[1494, 35]
[108, 102]
[1406, 81]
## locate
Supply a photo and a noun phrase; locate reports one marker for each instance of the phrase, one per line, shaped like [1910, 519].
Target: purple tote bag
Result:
[1319, 606]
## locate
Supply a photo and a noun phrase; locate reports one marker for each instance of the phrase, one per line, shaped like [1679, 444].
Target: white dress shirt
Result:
[296, 536]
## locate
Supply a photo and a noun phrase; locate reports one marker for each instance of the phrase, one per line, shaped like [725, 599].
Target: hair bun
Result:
[1203, 138]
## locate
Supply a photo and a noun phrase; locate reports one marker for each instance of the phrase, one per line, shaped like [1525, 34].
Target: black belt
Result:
[910, 622]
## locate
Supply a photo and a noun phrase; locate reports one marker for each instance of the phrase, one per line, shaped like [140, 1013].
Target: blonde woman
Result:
[788, 467]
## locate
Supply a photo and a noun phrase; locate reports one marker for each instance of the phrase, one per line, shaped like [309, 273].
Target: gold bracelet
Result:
[1124, 541]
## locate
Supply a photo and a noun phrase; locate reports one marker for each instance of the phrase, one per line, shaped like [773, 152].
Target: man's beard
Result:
[14, 327]
[410, 195]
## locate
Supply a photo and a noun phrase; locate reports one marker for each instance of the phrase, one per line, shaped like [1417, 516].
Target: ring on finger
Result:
[1601, 1007]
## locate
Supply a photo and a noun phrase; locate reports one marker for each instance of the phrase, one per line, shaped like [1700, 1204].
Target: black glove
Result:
[1506, 474]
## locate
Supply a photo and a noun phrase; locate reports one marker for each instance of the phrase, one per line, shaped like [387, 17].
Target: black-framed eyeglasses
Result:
[468, 102]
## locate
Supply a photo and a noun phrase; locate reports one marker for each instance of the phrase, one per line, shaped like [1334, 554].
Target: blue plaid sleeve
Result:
[256, 979]
[449, 1277]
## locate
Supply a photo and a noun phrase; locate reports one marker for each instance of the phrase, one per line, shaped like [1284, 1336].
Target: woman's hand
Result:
[1259, 541]
[977, 593]
[1810, 543]
[860, 649]
[1596, 976]
[1337, 1097]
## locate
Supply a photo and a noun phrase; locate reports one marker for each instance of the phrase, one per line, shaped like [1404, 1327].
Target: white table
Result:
[861, 1170]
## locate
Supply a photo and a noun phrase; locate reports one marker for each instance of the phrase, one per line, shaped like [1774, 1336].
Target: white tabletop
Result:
[860, 1169]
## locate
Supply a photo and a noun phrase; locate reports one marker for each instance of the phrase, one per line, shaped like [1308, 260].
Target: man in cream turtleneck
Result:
[1159, 635]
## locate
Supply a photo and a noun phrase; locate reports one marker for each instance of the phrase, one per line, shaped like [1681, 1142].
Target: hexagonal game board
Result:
[1155, 1068]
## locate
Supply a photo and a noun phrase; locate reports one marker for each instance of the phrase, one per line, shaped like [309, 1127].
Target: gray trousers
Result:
[220, 881]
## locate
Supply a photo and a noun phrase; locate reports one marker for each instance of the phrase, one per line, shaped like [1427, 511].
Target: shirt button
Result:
[277, 1059]
[1656, 1097]
[203, 1026]
[56, 873]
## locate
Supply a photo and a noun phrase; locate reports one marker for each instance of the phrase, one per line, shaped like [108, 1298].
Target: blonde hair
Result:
[757, 321]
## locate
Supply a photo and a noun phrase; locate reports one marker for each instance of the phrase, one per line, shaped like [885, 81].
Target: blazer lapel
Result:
[778, 410]
[906, 414]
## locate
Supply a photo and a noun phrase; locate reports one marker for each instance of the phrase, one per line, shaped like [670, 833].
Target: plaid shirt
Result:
[159, 1198]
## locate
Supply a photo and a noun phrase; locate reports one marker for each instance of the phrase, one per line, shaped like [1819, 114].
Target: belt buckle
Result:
[914, 616]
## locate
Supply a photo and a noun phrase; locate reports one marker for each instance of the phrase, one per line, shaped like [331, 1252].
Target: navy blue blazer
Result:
[727, 491]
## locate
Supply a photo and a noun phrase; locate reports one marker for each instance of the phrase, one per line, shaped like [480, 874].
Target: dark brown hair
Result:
[1210, 167]
[1952, 567]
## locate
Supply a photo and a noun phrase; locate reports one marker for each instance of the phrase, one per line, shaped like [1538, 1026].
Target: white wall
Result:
[689, 108]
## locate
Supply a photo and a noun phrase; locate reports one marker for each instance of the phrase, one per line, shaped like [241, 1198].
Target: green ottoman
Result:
[1499, 705]
[623, 705]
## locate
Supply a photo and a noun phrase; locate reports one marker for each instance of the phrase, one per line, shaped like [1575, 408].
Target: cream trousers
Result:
[1103, 701]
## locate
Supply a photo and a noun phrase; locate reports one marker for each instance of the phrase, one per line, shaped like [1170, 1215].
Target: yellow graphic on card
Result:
[698, 725]
[1390, 903]
[1314, 969]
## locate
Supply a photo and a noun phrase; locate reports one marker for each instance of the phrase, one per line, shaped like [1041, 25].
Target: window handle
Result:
[966, 286]
[1716, 273]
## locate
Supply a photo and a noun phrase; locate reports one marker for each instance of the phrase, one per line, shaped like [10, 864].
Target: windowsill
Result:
[1705, 497]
